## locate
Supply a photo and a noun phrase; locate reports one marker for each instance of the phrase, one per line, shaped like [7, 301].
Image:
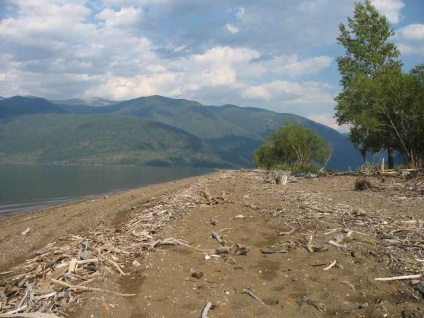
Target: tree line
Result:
[383, 106]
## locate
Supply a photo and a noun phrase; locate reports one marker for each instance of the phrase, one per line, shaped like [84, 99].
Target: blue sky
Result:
[273, 54]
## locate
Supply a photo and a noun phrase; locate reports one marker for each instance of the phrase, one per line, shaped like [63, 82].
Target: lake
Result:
[28, 187]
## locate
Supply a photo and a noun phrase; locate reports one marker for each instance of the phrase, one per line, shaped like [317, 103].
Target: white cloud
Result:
[290, 93]
[413, 32]
[390, 8]
[328, 120]
[411, 39]
[231, 28]
[124, 17]
[293, 66]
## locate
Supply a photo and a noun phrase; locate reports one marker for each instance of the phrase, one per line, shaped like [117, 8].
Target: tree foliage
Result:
[383, 106]
[291, 145]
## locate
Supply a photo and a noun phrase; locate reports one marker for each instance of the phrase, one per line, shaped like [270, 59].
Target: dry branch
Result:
[85, 288]
[399, 277]
[206, 310]
[217, 237]
[319, 306]
[251, 294]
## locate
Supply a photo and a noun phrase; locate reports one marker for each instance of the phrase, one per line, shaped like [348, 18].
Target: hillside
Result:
[100, 139]
[19, 105]
[234, 131]
[229, 132]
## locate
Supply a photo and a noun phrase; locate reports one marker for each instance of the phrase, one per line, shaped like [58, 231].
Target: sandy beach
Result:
[252, 248]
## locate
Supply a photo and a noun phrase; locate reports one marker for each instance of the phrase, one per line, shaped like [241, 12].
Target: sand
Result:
[178, 281]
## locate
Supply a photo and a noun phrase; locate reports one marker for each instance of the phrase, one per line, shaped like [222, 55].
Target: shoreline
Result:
[51, 223]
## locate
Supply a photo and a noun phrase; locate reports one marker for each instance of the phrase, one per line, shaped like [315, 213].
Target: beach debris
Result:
[206, 309]
[273, 250]
[248, 204]
[332, 264]
[23, 233]
[240, 216]
[318, 305]
[385, 279]
[286, 233]
[362, 184]
[136, 263]
[217, 237]
[196, 274]
[249, 292]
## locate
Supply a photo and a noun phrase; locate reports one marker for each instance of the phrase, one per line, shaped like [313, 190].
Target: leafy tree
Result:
[368, 55]
[292, 145]
[264, 157]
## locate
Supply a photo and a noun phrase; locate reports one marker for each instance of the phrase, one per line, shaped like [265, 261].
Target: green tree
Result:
[293, 146]
[264, 157]
[368, 55]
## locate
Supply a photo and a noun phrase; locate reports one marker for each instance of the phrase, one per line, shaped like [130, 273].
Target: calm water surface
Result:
[27, 187]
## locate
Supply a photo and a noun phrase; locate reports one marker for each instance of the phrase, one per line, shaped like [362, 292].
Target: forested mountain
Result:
[211, 135]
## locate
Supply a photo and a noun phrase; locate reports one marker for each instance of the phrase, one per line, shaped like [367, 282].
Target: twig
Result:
[113, 263]
[251, 294]
[29, 315]
[217, 237]
[206, 309]
[319, 306]
[309, 244]
[88, 288]
[330, 266]
[286, 233]
[399, 277]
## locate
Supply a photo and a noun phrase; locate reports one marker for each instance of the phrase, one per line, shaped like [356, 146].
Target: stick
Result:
[251, 294]
[330, 266]
[218, 238]
[113, 263]
[399, 277]
[206, 309]
[319, 306]
[72, 265]
[286, 233]
[29, 315]
[88, 288]
[309, 244]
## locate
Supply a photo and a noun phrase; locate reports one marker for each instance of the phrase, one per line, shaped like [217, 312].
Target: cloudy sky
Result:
[273, 54]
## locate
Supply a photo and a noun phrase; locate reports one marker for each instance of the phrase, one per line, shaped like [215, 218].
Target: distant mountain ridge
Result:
[229, 132]
[19, 105]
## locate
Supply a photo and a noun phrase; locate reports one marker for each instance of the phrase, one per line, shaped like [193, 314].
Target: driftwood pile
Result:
[397, 242]
[53, 280]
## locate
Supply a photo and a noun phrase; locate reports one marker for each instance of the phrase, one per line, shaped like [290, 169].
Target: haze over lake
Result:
[27, 187]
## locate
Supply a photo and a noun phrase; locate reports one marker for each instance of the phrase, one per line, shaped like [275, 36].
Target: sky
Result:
[273, 54]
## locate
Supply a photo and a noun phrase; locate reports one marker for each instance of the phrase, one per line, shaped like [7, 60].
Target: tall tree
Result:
[293, 146]
[368, 55]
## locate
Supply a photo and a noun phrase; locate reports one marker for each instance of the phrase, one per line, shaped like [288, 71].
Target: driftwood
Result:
[309, 244]
[251, 294]
[29, 315]
[333, 263]
[273, 250]
[217, 237]
[319, 306]
[399, 277]
[85, 288]
[206, 309]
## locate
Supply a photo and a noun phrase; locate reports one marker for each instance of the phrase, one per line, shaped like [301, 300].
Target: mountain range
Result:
[152, 130]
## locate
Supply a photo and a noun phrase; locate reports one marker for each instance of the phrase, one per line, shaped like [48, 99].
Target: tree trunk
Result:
[390, 158]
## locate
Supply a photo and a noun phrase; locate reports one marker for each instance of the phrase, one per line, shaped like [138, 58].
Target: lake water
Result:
[27, 187]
